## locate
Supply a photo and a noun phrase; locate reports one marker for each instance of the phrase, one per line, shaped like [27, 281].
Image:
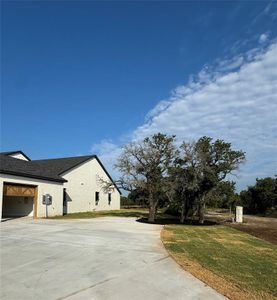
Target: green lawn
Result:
[107, 213]
[128, 212]
[248, 262]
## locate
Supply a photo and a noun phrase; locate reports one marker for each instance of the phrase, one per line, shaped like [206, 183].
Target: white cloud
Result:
[269, 11]
[108, 152]
[263, 38]
[235, 101]
[231, 64]
[105, 147]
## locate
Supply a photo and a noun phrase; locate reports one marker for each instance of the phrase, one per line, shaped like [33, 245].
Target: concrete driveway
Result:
[103, 258]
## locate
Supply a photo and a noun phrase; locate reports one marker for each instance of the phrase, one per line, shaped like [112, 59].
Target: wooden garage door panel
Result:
[19, 190]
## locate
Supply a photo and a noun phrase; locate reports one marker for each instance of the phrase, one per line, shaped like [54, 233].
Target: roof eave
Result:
[99, 161]
[62, 180]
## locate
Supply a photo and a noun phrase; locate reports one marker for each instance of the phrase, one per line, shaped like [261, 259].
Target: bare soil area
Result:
[261, 227]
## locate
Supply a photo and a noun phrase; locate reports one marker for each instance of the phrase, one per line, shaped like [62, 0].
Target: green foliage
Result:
[173, 209]
[261, 197]
[215, 160]
[144, 166]
[199, 169]
[139, 196]
[126, 201]
[223, 196]
[158, 173]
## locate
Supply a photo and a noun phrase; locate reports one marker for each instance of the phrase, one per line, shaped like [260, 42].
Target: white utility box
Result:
[239, 214]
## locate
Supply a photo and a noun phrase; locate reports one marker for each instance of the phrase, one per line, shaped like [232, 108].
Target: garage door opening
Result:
[19, 200]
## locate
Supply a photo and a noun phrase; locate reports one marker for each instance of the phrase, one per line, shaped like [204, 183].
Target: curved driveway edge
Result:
[103, 258]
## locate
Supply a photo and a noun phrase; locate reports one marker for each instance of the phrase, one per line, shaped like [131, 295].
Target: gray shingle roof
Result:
[59, 166]
[46, 169]
[13, 166]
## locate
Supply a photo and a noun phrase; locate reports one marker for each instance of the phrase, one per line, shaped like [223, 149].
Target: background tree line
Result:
[261, 198]
[189, 177]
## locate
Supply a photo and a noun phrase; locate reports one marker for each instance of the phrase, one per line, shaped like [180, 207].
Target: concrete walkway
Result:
[103, 258]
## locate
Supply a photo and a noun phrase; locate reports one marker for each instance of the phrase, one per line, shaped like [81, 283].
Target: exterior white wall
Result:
[83, 182]
[1, 196]
[55, 189]
[18, 156]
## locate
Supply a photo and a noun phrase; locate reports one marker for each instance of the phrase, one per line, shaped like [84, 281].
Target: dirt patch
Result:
[172, 220]
[266, 232]
[233, 242]
[262, 249]
[166, 235]
[260, 227]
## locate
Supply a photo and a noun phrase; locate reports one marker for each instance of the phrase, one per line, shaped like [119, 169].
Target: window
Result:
[64, 197]
[96, 198]
[109, 198]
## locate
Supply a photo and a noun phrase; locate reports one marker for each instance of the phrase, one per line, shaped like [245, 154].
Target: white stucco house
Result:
[73, 184]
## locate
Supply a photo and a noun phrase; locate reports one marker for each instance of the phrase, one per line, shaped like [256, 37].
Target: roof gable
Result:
[10, 153]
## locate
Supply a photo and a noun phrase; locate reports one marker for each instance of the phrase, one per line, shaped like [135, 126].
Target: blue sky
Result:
[82, 77]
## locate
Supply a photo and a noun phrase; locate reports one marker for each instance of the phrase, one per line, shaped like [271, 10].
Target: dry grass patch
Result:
[236, 264]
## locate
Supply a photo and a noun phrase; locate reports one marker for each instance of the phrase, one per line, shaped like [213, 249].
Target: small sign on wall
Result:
[47, 199]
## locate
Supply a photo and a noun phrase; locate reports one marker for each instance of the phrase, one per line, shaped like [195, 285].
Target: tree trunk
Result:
[156, 209]
[187, 213]
[182, 217]
[201, 210]
[152, 214]
[201, 213]
[187, 209]
[152, 209]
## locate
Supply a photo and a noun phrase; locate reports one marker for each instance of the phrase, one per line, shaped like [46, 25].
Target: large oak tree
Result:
[199, 168]
[144, 165]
